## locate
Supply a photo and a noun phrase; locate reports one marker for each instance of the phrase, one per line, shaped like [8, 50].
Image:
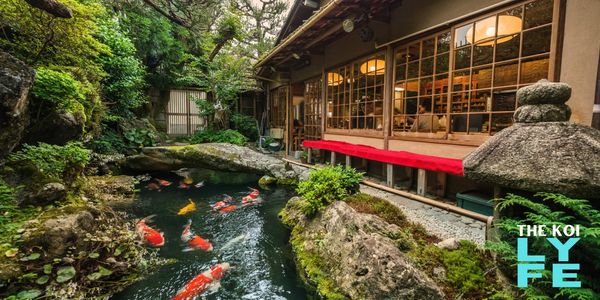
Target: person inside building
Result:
[426, 121]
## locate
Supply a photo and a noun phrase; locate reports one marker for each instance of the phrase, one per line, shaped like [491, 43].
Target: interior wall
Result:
[434, 149]
[373, 142]
[581, 48]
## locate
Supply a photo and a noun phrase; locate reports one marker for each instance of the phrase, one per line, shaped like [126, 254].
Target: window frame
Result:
[313, 108]
[463, 137]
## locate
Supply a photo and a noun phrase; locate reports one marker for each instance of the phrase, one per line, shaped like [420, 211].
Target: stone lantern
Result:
[542, 151]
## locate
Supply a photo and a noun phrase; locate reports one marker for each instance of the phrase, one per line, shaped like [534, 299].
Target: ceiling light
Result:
[485, 30]
[399, 89]
[373, 67]
[348, 25]
[334, 79]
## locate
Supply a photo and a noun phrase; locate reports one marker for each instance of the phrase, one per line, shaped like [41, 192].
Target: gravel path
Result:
[439, 222]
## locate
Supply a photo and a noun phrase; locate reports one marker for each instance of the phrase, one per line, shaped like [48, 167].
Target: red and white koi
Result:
[252, 197]
[149, 235]
[202, 282]
[163, 182]
[194, 241]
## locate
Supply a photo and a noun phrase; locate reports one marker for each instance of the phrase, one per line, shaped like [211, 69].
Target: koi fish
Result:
[183, 185]
[164, 182]
[199, 184]
[202, 282]
[252, 197]
[149, 235]
[219, 205]
[233, 241]
[227, 209]
[194, 242]
[187, 233]
[188, 180]
[187, 209]
[153, 186]
[227, 198]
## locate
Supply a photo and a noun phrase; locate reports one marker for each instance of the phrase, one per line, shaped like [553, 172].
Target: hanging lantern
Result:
[373, 67]
[485, 30]
[334, 79]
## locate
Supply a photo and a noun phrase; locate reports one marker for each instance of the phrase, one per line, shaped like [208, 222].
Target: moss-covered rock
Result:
[219, 156]
[345, 254]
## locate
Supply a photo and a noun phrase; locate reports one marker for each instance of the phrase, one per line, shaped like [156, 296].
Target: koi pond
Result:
[262, 263]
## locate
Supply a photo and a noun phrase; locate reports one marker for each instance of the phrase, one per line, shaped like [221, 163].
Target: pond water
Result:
[263, 263]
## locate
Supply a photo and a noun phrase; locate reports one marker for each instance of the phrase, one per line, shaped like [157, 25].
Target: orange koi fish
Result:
[227, 209]
[219, 205]
[183, 185]
[200, 283]
[194, 242]
[149, 235]
[164, 182]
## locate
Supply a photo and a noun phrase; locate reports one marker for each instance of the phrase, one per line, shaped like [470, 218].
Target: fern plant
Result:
[552, 209]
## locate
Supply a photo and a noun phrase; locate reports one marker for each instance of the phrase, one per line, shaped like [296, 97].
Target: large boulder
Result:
[358, 254]
[56, 127]
[16, 79]
[542, 151]
[219, 156]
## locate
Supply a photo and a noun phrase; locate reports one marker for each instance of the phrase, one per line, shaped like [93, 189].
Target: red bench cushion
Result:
[403, 158]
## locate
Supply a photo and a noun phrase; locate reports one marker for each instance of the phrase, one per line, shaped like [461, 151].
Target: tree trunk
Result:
[52, 7]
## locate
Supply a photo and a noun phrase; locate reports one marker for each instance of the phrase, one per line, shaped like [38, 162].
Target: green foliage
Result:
[365, 203]
[58, 90]
[465, 268]
[39, 38]
[108, 142]
[140, 137]
[552, 209]
[326, 185]
[246, 125]
[221, 136]
[57, 163]
[123, 87]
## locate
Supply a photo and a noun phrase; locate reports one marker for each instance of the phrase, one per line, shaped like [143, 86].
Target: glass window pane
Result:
[414, 52]
[506, 74]
[480, 101]
[504, 99]
[401, 56]
[426, 86]
[478, 123]
[411, 105]
[462, 58]
[458, 123]
[412, 88]
[400, 72]
[483, 54]
[460, 81]
[485, 31]
[508, 49]
[428, 47]
[441, 63]
[501, 121]
[413, 69]
[534, 69]
[460, 102]
[427, 66]
[441, 84]
[481, 78]
[440, 104]
[443, 42]
[510, 23]
[463, 36]
[538, 13]
[536, 41]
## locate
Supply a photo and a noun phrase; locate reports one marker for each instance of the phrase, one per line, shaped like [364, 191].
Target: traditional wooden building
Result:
[404, 89]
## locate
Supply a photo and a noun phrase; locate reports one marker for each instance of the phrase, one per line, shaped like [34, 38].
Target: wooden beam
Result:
[389, 175]
[333, 158]
[348, 160]
[441, 184]
[421, 182]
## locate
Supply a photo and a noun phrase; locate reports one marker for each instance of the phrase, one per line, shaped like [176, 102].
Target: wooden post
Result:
[309, 156]
[333, 158]
[421, 182]
[390, 175]
[441, 185]
[348, 160]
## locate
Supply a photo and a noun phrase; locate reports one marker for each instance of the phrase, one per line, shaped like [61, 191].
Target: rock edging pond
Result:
[346, 254]
[218, 156]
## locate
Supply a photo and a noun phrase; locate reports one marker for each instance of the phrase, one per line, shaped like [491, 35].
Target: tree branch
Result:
[174, 18]
[52, 7]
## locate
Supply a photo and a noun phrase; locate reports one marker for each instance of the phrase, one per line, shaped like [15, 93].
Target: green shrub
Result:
[326, 185]
[57, 163]
[221, 136]
[140, 137]
[246, 125]
[58, 90]
[552, 209]
[464, 267]
[109, 142]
